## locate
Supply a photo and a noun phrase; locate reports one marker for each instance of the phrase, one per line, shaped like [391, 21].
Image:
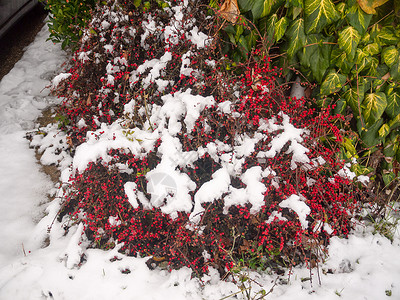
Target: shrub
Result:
[139, 96]
[67, 20]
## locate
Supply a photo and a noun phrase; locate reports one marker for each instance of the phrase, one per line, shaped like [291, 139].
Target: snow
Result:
[36, 264]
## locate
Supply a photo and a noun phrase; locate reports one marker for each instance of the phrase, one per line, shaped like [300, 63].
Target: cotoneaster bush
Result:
[110, 86]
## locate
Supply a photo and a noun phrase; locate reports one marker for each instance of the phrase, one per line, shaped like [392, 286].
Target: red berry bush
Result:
[192, 164]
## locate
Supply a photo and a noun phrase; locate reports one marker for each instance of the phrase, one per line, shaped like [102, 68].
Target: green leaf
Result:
[374, 105]
[393, 105]
[137, 3]
[395, 70]
[354, 97]
[373, 67]
[333, 82]
[348, 41]
[296, 37]
[370, 136]
[280, 28]
[348, 145]
[339, 58]
[384, 130]
[384, 36]
[390, 55]
[358, 18]
[372, 49]
[316, 55]
[390, 149]
[319, 13]
[268, 27]
[394, 123]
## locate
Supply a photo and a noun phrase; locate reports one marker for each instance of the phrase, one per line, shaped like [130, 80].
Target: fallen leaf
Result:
[369, 6]
[230, 10]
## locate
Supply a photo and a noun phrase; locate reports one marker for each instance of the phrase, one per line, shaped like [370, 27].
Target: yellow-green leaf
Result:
[369, 5]
[339, 58]
[333, 82]
[372, 49]
[354, 97]
[319, 13]
[348, 41]
[374, 105]
[384, 130]
[296, 36]
[384, 36]
[358, 18]
[348, 145]
[390, 55]
[280, 28]
[393, 104]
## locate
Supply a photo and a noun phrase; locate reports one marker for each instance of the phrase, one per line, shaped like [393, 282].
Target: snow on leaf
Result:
[302, 210]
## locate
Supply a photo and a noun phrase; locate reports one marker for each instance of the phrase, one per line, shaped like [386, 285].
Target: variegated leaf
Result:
[319, 13]
[393, 105]
[358, 18]
[374, 105]
[372, 49]
[280, 28]
[348, 41]
[296, 36]
[354, 97]
[390, 55]
[333, 82]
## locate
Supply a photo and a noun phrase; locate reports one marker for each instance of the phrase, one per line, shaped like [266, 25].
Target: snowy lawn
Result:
[365, 266]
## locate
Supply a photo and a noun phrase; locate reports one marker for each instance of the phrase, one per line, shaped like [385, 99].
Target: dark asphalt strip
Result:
[14, 42]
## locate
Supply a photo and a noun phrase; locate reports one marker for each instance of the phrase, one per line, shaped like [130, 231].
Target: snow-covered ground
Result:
[365, 266]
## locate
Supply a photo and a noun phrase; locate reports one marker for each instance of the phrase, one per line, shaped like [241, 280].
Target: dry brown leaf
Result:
[89, 101]
[230, 10]
[369, 6]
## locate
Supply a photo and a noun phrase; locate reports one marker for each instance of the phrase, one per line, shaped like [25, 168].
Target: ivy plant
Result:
[350, 49]
[67, 19]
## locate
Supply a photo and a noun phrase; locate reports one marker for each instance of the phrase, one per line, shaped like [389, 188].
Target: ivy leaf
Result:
[354, 96]
[384, 36]
[319, 13]
[395, 70]
[316, 55]
[339, 58]
[348, 41]
[280, 28]
[369, 5]
[265, 8]
[384, 130]
[370, 135]
[358, 18]
[333, 82]
[373, 67]
[390, 55]
[270, 27]
[374, 105]
[296, 37]
[393, 104]
[372, 49]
